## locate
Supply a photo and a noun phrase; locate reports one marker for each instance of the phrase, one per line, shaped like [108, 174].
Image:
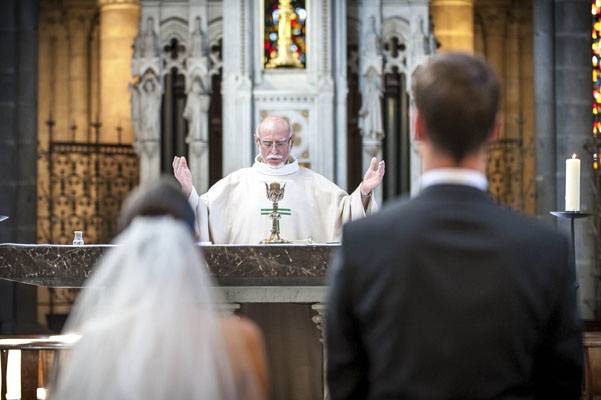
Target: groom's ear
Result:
[419, 127]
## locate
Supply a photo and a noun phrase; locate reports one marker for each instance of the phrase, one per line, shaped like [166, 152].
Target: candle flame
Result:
[574, 156]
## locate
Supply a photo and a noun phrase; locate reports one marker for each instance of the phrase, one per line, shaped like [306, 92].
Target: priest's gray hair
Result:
[274, 119]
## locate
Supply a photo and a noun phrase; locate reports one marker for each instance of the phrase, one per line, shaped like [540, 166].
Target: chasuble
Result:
[230, 212]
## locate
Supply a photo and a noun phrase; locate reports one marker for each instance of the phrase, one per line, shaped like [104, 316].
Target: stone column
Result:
[325, 157]
[118, 28]
[199, 161]
[198, 102]
[453, 22]
[572, 48]
[494, 17]
[18, 151]
[371, 84]
[340, 57]
[319, 319]
[78, 26]
[149, 153]
[237, 86]
[544, 99]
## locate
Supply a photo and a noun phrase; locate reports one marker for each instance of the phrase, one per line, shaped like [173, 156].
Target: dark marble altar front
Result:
[231, 265]
[280, 287]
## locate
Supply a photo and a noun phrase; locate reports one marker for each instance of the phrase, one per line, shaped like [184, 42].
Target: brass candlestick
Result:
[275, 193]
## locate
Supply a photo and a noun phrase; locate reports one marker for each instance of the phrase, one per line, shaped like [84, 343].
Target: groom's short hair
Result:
[158, 198]
[457, 94]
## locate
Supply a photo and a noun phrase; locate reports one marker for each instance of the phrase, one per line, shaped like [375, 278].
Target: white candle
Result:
[41, 391]
[573, 184]
[41, 394]
[13, 375]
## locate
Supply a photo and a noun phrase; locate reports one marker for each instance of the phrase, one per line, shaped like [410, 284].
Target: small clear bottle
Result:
[78, 238]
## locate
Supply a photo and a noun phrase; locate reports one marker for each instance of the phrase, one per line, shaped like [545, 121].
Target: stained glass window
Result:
[284, 36]
[596, 59]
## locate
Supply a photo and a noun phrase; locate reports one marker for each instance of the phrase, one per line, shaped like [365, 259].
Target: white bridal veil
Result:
[148, 323]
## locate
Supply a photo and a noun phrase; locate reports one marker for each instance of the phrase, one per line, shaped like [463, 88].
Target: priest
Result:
[231, 211]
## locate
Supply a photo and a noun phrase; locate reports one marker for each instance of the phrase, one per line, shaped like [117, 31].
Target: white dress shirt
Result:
[454, 176]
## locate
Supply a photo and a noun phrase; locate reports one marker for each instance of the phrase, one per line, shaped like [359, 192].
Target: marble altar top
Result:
[230, 265]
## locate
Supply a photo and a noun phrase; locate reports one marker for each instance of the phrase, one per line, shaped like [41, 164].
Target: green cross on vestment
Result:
[283, 211]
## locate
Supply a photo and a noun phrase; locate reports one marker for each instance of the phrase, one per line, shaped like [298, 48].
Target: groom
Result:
[448, 295]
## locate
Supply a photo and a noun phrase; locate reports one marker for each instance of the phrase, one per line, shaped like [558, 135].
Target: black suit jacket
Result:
[450, 296]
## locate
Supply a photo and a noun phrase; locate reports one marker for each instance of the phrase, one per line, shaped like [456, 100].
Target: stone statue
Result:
[370, 114]
[198, 61]
[196, 112]
[150, 41]
[135, 107]
[150, 108]
[197, 44]
[146, 99]
[422, 35]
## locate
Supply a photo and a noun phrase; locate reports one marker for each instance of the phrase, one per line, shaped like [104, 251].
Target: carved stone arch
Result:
[215, 35]
[173, 31]
[397, 41]
[173, 44]
[396, 34]
[396, 26]
[215, 28]
[173, 27]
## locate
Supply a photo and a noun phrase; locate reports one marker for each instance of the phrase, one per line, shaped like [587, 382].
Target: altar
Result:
[259, 281]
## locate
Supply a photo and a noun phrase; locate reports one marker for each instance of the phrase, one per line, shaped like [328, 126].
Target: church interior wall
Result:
[500, 30]
[71, 94]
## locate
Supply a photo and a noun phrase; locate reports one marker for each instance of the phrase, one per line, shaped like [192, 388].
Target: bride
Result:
[150, 328]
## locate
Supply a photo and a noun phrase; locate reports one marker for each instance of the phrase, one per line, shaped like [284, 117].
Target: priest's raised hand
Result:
[373, 176]
[182, 173]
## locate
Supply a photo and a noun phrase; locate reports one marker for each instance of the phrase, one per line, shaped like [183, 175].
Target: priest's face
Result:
[274, 141]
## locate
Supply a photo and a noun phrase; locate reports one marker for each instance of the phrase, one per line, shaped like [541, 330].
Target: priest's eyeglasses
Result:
[268, 144]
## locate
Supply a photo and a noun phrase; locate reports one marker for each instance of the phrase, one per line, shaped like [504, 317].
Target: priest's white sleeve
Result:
[201, 214]
[346, 208]
[357, 210]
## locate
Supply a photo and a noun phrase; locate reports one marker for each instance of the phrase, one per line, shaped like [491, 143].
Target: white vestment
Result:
[230, 212]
